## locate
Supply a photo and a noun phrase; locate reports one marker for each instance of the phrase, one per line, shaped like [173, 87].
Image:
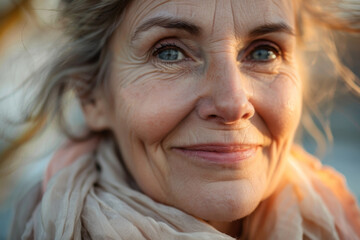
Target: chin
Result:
[228, 213]
[225, 204]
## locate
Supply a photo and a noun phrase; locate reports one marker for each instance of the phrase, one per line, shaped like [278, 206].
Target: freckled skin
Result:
[211, 97]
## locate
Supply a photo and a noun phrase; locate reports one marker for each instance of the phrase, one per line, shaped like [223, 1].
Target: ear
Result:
[96, 112]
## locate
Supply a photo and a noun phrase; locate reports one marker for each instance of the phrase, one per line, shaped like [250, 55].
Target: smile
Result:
[222, 154]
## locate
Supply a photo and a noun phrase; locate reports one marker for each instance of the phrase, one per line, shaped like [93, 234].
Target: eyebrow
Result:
[174, 23]
[167, 22]
[271, 28]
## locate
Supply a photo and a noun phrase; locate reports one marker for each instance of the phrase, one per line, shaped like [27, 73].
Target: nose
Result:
[227, 99]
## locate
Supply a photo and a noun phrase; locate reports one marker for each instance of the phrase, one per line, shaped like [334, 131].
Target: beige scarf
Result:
[95, 199]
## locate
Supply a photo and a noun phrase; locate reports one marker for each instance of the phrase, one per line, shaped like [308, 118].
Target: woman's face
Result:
[206, 100]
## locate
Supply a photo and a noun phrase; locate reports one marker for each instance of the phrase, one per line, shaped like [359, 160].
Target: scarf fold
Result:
[94, 198]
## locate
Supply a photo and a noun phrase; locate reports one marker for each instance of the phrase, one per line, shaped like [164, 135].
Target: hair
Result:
[83, 63]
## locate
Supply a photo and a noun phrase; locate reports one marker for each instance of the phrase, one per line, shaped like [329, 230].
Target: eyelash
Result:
[164, 46]
[263, 44]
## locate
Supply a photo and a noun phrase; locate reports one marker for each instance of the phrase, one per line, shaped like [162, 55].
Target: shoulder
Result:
[24, 210]
[331, 186]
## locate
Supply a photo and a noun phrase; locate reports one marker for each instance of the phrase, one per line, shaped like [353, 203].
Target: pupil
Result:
[169, 55]
[263, 54]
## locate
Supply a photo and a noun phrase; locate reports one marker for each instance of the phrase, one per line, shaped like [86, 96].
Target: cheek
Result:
[150, 106]
[279, 103]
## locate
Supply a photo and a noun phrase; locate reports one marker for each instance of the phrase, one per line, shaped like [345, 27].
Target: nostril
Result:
[225, 110]
[212, 117]
[246, 116]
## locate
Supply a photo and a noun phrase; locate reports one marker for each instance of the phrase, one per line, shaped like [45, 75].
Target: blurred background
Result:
[29, 38]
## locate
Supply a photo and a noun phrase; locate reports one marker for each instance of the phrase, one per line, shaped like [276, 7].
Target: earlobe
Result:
[96, 113]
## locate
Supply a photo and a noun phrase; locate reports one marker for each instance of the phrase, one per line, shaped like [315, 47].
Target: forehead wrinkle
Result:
[282, 8]
[166, 9]
[270, 12]
[233, 17]
[213, 19]
[167, 22]
[141, 9]
[223, 20]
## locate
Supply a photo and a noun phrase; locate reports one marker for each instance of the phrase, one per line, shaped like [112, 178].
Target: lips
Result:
[219, 153]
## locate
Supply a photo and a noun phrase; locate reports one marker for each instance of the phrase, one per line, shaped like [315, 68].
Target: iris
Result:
[170, 55]
[263, 54]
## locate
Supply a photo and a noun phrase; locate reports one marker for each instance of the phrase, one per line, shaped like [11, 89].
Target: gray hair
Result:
[83, 63]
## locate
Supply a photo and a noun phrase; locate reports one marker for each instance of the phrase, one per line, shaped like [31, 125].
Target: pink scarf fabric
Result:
[94, 198]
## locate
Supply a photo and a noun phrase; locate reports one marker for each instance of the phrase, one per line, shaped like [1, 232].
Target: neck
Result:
[232, 229]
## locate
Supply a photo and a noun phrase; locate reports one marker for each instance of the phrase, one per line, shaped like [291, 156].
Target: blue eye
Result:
[169, 54]
[264, 54]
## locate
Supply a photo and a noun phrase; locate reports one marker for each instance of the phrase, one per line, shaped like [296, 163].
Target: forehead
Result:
[214, 16]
